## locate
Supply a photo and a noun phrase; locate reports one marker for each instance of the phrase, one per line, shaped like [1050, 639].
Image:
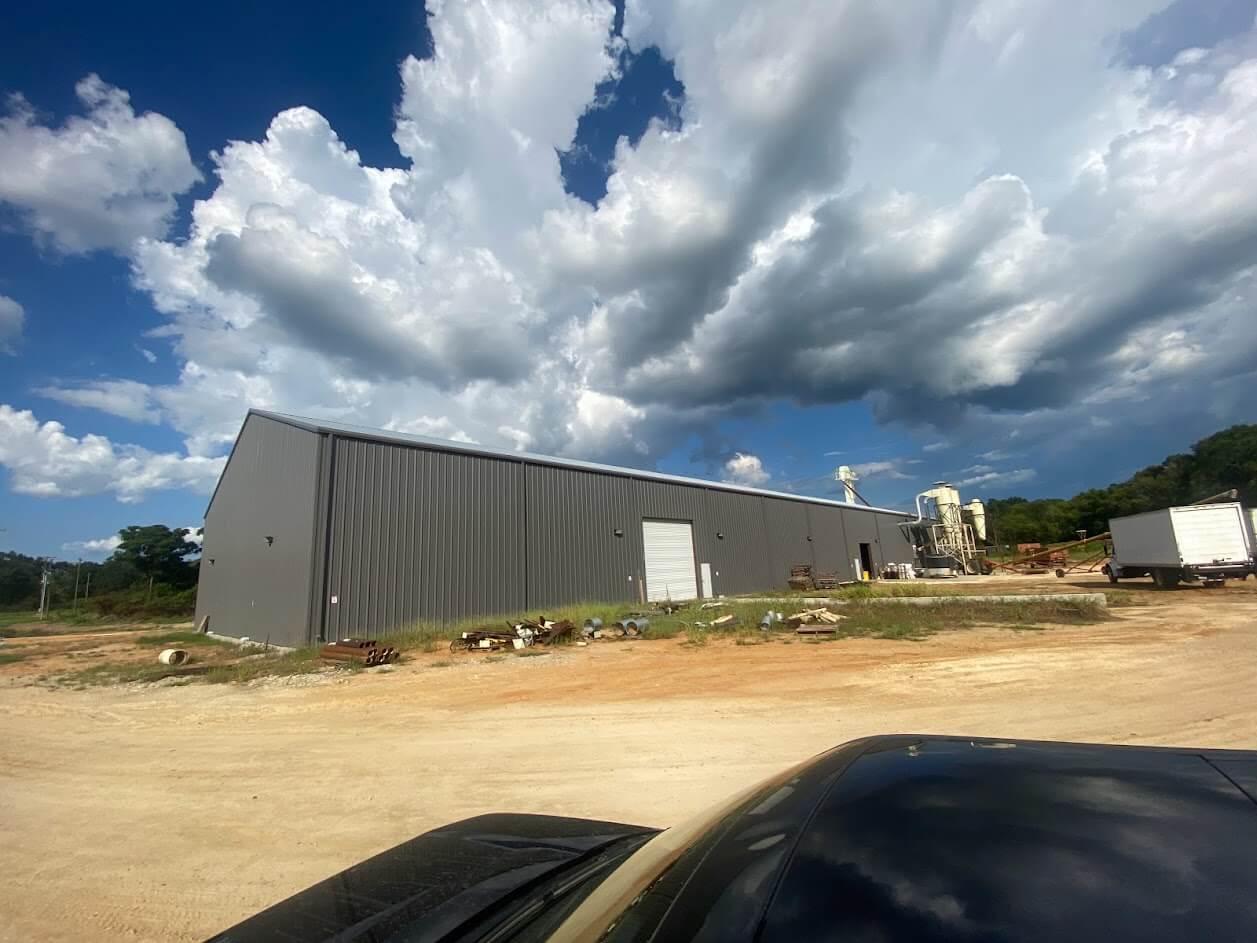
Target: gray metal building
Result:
[319, 530]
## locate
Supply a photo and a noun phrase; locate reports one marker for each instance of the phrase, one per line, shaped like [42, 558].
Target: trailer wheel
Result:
[1110, 573]
[1165, 578]
[1060, 574]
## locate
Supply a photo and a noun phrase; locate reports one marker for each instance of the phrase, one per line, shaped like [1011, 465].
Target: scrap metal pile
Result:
[522, 634]
[631, 626]
[362, 651]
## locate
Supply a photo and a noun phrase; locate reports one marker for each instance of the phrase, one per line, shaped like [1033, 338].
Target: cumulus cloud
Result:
[991, 478]
[44, 461]
[745, 469]
[884, 469]
[102, 179]
[1009, 274]
[97, 547]
[12, 317]
[126, 398]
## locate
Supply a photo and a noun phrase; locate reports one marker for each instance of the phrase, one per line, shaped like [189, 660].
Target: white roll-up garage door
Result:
[669, 560]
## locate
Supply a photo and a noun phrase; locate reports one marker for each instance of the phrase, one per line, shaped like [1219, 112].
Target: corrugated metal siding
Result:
[667, 502]
[573, 553]
[788, 544]
[829, 541]
[861, 527]
[739, 561]
[896, 547]
[254, 589]
[421, 535]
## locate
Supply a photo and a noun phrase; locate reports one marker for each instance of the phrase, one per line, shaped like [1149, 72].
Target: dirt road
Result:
[151, 813]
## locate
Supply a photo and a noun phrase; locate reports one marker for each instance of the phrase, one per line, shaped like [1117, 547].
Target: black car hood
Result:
[434, 884]
[950, 839]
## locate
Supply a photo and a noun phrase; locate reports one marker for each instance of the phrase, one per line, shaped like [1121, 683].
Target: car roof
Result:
[935, 838]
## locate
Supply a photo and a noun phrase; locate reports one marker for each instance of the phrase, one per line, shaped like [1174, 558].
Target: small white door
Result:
[704, 570]
[669, 549]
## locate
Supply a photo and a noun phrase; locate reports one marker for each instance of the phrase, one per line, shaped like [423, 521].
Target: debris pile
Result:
[800, 577]
[803, 578]
[769, 619]
[522, 634]
[722, 622]
[631, 626]
[363, 651]
[814, 622]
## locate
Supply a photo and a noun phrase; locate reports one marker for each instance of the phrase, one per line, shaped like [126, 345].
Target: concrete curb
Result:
[1098, 599]
[249, 643]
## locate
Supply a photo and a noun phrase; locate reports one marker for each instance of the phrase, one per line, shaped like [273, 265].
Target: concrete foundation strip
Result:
[1095, 599]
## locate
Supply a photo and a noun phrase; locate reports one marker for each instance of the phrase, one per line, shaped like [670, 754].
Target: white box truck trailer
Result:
[1208, 542]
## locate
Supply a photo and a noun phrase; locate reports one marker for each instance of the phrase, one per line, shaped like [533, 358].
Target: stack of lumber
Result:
[814, 621]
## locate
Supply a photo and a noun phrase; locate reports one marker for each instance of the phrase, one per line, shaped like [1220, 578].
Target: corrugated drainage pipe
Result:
[634, 627]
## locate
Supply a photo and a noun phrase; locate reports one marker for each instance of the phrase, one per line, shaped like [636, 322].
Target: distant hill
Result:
[1227, 459]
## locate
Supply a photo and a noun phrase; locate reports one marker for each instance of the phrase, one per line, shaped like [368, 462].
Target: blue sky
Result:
[982, 242]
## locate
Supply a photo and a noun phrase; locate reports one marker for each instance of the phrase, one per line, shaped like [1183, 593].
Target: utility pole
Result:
[87, 590]
[77, 566]
[43, 593]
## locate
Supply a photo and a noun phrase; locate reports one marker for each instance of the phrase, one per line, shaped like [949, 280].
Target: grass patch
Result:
[529, 653]
[28, 626]
[181, 639]
[446, 663]
[110, 673]
[912, 622]
[898, 631]
[300, 662]
[745, 636]
[8, 658]
[1118, 598]
[29, 623]
[666, 627]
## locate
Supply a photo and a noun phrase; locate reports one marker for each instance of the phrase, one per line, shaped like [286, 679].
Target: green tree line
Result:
[1225, 460]
[154, 566]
